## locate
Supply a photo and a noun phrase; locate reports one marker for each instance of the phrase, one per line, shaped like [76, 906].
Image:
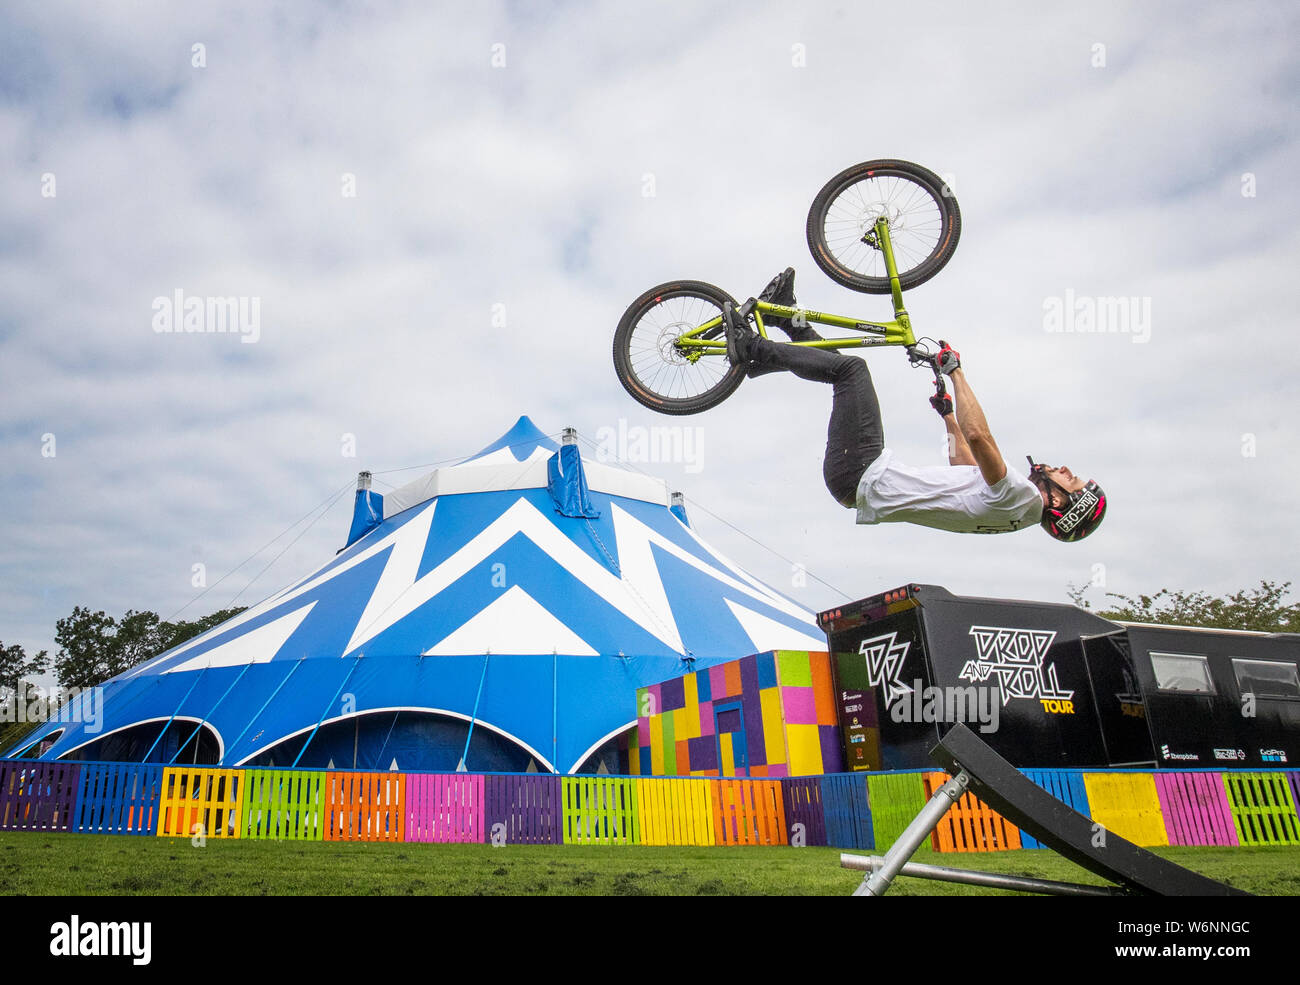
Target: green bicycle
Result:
[670, 348]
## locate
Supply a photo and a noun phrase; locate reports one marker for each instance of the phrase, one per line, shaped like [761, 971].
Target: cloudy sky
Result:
[442, 210]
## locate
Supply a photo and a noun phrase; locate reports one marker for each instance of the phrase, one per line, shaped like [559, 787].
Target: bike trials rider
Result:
[975, 493]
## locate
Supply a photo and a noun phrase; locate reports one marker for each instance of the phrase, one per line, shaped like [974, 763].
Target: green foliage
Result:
[15, 665]
[1262, 609]
[94, 646]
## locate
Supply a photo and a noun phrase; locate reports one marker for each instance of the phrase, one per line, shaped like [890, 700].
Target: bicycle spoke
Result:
[916, 224]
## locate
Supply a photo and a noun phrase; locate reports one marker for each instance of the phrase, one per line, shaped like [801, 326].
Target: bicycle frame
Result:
[694, 344]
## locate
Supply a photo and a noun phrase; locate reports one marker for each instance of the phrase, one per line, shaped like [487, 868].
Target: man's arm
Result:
[958, 450]
[975, 430]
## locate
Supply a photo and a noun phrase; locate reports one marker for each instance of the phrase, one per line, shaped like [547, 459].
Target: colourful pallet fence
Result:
[444, 807]
[895, 799]
[1127, 804]
[1263, 808]
[284, 805]
[201, 802]
[805, 812]
[1196, 809]
[846, 811]
[38, 796]
[1067, 787]
[599, 810]
[748, 812]
[674, 811]
[862, 811]
[365, 806]
[523, 810]
[970, 825]
[118, 799]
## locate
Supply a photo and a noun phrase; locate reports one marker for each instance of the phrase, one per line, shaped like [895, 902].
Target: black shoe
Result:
[780, 290]
[740, 337]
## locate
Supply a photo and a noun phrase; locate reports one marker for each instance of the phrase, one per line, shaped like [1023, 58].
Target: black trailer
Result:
[1216, 697]
[1052, 685]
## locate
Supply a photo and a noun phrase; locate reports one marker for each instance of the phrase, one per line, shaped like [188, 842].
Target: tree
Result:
[1261, 609]
[15, 665]
[94, 646]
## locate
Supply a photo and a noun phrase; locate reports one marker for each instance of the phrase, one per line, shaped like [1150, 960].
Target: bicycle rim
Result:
[658, 367]
[916, 224]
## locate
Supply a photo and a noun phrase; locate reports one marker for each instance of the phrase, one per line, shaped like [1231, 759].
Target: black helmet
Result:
[1083, 511]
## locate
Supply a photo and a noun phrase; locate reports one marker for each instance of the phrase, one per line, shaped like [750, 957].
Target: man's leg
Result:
[855, 436]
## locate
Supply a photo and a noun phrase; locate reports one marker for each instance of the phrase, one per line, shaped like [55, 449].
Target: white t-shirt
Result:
[949, 497]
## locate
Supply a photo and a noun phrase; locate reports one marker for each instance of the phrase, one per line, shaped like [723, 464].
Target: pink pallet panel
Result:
[1195, 808]
[444, 807]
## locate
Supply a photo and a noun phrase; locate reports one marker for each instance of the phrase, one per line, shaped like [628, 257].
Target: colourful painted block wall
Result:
[776, 711]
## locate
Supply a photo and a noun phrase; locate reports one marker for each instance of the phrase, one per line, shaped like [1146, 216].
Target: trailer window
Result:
[1182, 672]
[1266, 678]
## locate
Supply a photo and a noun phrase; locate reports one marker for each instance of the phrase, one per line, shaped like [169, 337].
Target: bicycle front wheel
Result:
[655, 369]
[924, 225]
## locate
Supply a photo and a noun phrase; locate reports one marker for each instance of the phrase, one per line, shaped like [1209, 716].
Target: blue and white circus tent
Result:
[509, 604]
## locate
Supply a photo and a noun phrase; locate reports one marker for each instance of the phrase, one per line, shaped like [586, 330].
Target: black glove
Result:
[942, 403]
[947, 358]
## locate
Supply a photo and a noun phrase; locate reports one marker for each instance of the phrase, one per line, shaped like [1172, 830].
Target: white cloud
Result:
[523, 186]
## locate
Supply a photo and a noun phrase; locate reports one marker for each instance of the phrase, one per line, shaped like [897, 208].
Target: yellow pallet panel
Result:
[200, 801]
[1128, 805]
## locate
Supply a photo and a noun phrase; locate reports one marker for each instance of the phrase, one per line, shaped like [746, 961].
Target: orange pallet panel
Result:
[748, 812]
[970, 824]
[365, 806]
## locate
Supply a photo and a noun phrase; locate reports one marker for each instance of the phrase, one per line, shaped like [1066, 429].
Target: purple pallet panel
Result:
[1195, 809]
[523, 810]
[803, 805]
[1293, 778]
[37, 796]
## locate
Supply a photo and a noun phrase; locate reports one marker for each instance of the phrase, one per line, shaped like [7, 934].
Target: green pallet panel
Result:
[1262, 808]
[600, 811]
[284, 805]
[895, 799]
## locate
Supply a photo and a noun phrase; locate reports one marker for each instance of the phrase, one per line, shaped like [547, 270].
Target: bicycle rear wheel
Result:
[653, 369]
[924, 225]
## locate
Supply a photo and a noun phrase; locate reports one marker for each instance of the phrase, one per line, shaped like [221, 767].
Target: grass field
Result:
[68, 865]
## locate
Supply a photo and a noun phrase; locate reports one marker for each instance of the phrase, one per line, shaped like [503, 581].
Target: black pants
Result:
[855, 437]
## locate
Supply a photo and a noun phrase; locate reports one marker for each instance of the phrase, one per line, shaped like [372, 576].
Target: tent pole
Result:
[356, 662]
[173, 718]
[292, 671]
[205, 718]
[460, 767]
[555, 700]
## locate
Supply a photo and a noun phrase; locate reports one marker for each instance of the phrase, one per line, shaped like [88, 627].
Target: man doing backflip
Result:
[974, 493]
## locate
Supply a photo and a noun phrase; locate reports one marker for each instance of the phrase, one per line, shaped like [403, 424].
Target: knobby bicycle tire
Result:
[925, 224]
[648, 366]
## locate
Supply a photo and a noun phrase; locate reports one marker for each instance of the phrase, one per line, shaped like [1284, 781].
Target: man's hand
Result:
[942, 403]
[947, 358]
